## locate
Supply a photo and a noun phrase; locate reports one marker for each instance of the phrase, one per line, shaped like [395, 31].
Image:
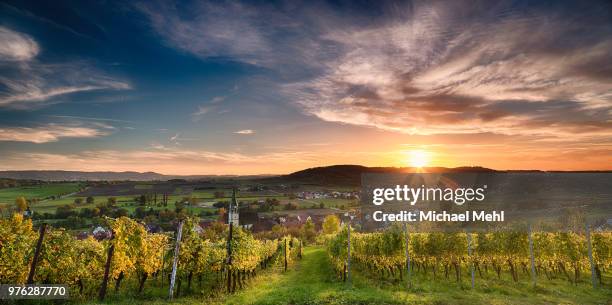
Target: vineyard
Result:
[134, 255]
[395, 254]
[136, 267]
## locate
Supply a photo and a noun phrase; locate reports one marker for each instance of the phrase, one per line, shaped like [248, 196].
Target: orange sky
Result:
[271, 89]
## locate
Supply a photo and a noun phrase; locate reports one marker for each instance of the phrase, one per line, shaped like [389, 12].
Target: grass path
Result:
[311, 281]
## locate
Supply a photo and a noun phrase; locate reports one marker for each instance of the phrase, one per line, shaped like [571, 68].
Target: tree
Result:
[273, 202]
[90, 200]
[65, 211]
[119, 213]
[219, 194]
[112, 201]
[308, 230]
[140, 212]
[21, 204]
[222, 215]
[278, 231]
[180, 205]
[78, 200]
[331, 224]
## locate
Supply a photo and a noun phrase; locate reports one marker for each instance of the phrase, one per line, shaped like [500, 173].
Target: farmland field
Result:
[42, 191]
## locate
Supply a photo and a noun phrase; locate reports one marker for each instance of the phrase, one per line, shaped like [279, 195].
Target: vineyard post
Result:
[469, 238]
[285, 253]
[229, 258]
[163, 259]
[408, 254]
[300, 253]
[348, 256]
[533, 271]
[41, 235]
[109, 258]
[588, 236]
[179, 234]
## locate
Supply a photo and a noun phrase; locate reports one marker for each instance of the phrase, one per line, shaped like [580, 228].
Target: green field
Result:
[312, 281]
[329, 202]
[8, 195]
[203, 207]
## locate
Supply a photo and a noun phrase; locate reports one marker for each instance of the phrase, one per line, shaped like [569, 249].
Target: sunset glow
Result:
[238, 91]
[418, 158]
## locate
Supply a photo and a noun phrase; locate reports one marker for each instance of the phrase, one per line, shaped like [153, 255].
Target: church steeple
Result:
[233, 210]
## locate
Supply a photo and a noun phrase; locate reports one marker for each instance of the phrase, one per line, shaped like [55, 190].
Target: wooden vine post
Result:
[285, 254]
[179, 234]
[408, 255]
[300, 253]
[39, 243]
[348, 256]
[531, 258]
[469, 238]
[230, 222]
[107, 266]
[590, 248]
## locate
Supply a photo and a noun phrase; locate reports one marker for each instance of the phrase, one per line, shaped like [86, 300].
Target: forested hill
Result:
[351, 174]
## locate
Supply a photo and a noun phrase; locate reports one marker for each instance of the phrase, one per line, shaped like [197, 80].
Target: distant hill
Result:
[351, 174]
[57, 175]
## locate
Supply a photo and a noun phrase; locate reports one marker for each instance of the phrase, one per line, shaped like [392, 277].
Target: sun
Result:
[418, 158]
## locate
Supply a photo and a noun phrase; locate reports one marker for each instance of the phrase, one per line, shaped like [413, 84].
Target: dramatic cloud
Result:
[29, 83]
[52, 132]
[434, 72]
[16, 46]
[421, 67]
[245, 131]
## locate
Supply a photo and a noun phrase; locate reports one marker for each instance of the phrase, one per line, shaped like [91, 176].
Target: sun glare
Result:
[418, 158]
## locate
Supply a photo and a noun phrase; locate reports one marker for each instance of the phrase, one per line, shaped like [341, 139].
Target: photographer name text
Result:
[414, 216]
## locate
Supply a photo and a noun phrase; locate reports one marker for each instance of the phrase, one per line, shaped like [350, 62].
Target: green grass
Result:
[312, 281]
[328, 202]
[8, 195]
[143, 186]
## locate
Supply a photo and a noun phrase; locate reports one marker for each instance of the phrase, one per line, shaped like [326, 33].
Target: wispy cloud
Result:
[28, 83]
[84, 118]
[430, 71]
[16, 46]
[202, 110]
[245, 132]
[217, 35]
[53, 132]
[425, 68]
[160, 159]
[209, 106]
[158, 146]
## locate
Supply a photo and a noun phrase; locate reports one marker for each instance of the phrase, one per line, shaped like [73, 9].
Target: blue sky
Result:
[273, 87]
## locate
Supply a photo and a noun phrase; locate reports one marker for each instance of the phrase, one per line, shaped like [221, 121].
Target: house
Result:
[101, 233]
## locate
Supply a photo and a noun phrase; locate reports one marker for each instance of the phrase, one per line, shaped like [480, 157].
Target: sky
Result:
[264, 87]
